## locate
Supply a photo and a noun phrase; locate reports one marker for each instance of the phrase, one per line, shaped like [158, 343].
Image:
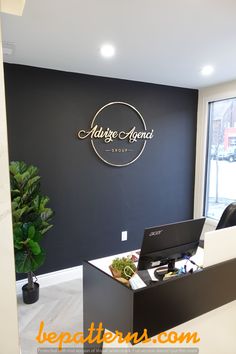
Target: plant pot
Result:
[115, 272]
[30, 295]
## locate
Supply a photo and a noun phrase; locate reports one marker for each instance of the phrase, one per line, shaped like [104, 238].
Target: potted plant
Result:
[31, 220]
[119, 270]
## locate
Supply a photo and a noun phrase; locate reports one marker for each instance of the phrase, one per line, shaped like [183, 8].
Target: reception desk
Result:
[157, 307]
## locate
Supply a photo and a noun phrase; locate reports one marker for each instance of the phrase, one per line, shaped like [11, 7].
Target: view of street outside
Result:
[226, 187]
[221, 172]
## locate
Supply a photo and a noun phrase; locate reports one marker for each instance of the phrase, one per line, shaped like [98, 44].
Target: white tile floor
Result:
[59, 306]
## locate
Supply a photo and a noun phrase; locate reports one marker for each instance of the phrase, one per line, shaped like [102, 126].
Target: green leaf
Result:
[14, 206]
[17, 167]
[15, 193]
[23, 261]
[18, 237]
[25, 177]
[25, 227]
[46, 214]
[38, 235]
[27, 262]
[45, 229]
[43, 202]
[34, 247]
[36, 202]
[18, 245]
[31, 192]
[39, 259]
[31, 231]
[18, 233]
[17, 214]
[19, 179]
[32, 181]
[32, 170]
[16, 198]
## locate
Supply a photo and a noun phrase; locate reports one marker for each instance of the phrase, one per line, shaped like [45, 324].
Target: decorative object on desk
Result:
[117, 269]
[31, 220]
[134, 258]
[134, 279]
[123, 281]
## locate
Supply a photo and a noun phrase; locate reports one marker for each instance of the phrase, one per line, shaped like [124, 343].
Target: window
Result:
[220, 187]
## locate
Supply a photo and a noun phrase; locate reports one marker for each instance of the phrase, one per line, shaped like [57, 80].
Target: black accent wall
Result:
[94, 202]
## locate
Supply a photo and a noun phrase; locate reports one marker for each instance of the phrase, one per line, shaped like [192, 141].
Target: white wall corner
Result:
[13, 7]
[8, 307]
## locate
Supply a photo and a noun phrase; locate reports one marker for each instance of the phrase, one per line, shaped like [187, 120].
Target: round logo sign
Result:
[118, 134]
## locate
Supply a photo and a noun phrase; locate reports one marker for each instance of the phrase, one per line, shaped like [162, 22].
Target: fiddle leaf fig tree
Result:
[31, 218]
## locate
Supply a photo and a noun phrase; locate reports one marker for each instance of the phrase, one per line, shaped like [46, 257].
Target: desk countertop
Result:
[104, 263]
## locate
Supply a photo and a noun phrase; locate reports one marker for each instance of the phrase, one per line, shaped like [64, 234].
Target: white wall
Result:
[206, 95]
[8, 308]
[9, 338]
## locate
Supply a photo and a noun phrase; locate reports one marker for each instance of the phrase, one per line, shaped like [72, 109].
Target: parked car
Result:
[231, 155]
[221, 154]
[218, 152]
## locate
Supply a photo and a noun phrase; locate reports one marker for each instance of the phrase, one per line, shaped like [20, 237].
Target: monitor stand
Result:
[171, 266]
[161, 271]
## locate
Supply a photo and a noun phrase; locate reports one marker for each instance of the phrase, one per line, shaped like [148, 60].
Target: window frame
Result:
[205, 97]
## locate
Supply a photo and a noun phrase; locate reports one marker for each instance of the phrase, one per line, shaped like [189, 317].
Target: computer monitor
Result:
[165, 244]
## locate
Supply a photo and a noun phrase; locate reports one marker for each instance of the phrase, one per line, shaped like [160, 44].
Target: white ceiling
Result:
[158, 41]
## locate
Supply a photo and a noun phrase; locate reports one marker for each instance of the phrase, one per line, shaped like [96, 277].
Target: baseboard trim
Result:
[54, 278]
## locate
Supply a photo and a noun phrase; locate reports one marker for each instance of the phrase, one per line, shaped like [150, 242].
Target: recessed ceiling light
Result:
[107, 50]
[207, 70]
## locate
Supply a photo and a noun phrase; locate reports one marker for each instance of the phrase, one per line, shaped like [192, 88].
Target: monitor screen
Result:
[167, 243]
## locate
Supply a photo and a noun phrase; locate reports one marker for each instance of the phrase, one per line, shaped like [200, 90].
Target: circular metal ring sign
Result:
[118, 134]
